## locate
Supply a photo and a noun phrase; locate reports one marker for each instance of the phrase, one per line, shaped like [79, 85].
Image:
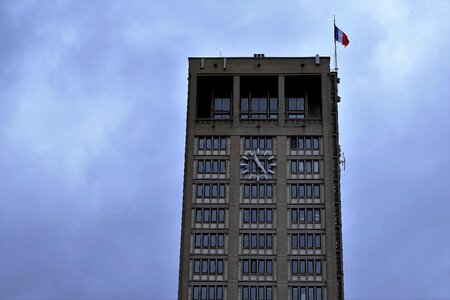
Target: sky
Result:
[92, 128]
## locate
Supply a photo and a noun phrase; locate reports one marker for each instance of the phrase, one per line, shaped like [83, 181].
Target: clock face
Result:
[258, 165]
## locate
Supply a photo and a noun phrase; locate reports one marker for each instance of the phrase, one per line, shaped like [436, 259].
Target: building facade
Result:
[261, 198]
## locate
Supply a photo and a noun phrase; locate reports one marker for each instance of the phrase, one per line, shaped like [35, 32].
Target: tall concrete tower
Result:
[261, 201]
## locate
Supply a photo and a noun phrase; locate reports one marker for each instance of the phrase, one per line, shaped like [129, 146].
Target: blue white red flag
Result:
[340, 36]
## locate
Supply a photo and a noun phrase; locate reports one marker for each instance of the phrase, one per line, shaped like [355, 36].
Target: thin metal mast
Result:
[335, 48]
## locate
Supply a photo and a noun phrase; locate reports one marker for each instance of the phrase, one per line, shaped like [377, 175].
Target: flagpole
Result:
[335, 48]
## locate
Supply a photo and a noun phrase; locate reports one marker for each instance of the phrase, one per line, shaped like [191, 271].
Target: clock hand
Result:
[259, 163]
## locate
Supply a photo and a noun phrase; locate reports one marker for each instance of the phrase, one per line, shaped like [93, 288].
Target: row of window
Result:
[305, 191]
[209, 240]
[257, 241]
[304, 166]
[307, 293]
[211, 166]
[210, 215]
[259, 108]
[257, 293]
[212, 143]
[210, 190]
[258, 215]
[306, 267]
[302, 215]
[208, 266]
[255, 142]
[257, 266]
[306, 241]
[304, 143]
[207, 293]
[260, 191]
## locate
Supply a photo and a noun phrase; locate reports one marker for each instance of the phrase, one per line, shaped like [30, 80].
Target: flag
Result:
[340, 36]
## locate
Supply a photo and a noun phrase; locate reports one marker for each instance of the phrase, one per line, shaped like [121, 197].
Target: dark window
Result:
[316, 166]
[221, 109]
[308, 143]
[294, 267]
[215, 143]
[246, 190]
[221, 241]
[198, 240]
[309, 241]
[254, 241]
[269, 241]
[301, 241]
[316, 191]
[294, 241]
[318, 241]
[199, 190]
[245, 241]
[245, 266]
[200, 167]
[195, 293]
[316, 143]
[296, 108]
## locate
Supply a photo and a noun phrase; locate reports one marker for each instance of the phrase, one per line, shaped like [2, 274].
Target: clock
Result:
[258, 165]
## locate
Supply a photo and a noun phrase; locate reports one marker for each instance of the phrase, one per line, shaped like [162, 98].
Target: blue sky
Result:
[92, 125]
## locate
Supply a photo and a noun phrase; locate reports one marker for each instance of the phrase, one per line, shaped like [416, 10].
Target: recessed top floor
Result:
[258, 97]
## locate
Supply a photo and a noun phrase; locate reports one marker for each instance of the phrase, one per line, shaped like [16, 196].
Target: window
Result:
[306, 267]
[257, 241]
[208, 266]
[300, 166]
[221, 108]
[304, 143]
[207, 292]
[259, 108]
[254, 143]
[258, 191]
[257, 293]
[313, 215]
[296, 108]
[209, 215]
[211, 166]
[300, 293]
[309, 191]
[212, 143]
[258, 215]
[210, 190]
[302, 240]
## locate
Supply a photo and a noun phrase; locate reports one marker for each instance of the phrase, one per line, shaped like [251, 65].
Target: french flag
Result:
[340, 36]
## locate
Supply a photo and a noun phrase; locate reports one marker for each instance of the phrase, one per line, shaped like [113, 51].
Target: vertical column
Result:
[187, 190]
[281, 101]
[329, 187]
[282, 250]
[236, 100]
[233, 230]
